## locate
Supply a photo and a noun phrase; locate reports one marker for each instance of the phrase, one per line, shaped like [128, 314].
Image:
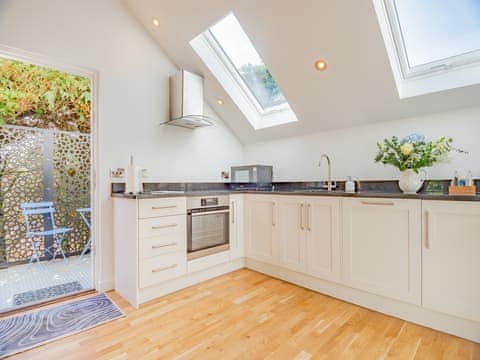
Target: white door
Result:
[291, 233]
[259, 228]
[382, 247]
[237, 244]
[451, 258]
[323, 237]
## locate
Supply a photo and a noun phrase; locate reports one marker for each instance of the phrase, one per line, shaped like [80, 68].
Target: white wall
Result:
[352, 150]
[133, 94]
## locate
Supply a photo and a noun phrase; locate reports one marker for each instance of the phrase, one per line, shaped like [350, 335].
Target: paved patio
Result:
[22, 278]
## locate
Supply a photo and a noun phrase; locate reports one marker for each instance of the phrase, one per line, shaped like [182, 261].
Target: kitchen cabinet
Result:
[308, 232]
[322, 230]
[451, 258]
[237, 243]
[298, 233]
[382, 247]
[291, 233]
[150, 244]
[260, 222]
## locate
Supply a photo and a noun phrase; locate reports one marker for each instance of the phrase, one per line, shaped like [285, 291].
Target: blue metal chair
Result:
[83, 213]
[35, 237]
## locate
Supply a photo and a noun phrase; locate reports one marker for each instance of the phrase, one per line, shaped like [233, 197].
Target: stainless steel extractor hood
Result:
[186, 101]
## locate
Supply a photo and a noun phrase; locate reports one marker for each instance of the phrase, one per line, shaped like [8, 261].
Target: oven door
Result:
[207, 228]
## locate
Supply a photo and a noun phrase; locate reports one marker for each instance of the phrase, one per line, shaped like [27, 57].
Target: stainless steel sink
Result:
[317, 191]
[310, 190]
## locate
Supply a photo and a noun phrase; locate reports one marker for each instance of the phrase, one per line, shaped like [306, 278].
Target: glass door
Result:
[45, 186]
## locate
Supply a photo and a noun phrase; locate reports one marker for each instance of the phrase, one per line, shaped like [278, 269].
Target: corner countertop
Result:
[299, 192]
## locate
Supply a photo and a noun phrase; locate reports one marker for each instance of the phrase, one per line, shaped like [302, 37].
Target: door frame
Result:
[50, 62]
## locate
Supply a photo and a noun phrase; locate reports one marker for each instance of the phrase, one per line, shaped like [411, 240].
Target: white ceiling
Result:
[290, 35]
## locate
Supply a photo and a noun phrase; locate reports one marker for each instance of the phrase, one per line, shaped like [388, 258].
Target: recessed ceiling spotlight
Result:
[156, 22]
[220, 101]
[321, 65]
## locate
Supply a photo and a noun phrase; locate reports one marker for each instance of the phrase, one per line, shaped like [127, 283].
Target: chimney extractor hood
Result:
[186, 101]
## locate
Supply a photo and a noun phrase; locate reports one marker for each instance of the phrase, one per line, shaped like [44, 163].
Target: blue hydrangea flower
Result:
[414, 138]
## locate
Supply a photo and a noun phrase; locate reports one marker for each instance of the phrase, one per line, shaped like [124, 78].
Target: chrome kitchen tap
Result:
[330, 184]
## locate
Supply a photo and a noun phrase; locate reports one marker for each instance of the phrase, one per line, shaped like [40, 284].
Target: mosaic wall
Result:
[71, 164]
[58, 169]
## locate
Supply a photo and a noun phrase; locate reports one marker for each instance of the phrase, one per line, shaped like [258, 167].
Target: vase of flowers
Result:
[411, 155]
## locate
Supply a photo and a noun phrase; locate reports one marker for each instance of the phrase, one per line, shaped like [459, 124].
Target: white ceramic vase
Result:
[410, 181]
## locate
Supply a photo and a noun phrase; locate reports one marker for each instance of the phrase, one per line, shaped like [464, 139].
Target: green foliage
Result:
[255, 75]
[414, 152]
[31, 95]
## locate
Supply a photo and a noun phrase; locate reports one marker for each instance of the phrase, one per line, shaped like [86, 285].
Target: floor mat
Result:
[25, 331]
[46, 293]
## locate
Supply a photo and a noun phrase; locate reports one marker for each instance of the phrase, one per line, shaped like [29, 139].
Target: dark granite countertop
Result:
[433, 190]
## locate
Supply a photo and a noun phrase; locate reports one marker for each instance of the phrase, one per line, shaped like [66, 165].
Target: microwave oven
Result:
[258, 174]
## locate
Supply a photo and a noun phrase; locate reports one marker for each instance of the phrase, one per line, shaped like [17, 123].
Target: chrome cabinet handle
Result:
[273, 215]
[309, 214]
[163, 226]
[164, 245]
[206, 213]
[427, 235]
[232, 205]
[373, 202]
[164, 268]
[164, 207]
[302, 227]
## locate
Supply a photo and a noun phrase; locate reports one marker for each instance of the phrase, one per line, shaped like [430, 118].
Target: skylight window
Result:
[432, 45]
[230, 55]
[240, 51]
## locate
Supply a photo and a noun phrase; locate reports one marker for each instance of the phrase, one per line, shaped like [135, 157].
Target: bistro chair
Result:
[35, 209]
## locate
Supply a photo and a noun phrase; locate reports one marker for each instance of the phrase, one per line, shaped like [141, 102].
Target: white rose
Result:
[406, 149]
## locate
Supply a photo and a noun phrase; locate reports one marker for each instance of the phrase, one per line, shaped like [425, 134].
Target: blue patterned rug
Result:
[29, 330]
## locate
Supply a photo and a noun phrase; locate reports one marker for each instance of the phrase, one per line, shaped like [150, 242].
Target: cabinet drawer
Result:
[162, 268]
[149, 208]
[163, 227]
[162, 235]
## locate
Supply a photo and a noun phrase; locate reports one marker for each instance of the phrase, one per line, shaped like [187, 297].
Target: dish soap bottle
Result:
[350, 185]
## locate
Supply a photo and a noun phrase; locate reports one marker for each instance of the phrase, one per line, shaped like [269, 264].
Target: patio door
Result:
[46, 193]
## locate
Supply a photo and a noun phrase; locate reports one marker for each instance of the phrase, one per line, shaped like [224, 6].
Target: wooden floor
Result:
[248, 315]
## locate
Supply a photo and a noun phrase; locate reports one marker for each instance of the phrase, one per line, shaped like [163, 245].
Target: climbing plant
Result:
[35, 96]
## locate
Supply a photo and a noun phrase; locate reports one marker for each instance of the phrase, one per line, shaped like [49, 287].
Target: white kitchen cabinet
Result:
[298, 233]
[150, 244]
[260, 222]
[382, 247]
[237, 243]
[322, 229]
[291, 233]
[451, 258]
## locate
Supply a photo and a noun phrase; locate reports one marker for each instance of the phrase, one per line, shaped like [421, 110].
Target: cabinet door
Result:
[451, 258]
[323, 237]
[260, 224]
[382, 247]
[291, 233]
[237, 244]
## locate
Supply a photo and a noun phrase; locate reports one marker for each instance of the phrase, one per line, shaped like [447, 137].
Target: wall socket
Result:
[117, 173]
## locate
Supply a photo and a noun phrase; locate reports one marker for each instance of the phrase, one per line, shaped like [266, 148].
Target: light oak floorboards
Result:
[247, 315]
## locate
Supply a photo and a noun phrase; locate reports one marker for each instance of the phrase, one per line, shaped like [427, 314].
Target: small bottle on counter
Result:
[454, 181]
[349, 185]
[470, 179]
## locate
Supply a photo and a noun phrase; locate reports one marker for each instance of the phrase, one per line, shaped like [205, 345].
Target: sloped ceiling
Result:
[290, 35]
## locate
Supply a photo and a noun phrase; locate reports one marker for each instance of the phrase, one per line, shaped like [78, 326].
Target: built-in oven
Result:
[207, 225]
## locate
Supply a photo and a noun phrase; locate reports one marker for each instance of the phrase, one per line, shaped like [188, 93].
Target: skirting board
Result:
[153, 292]
[456, 326]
